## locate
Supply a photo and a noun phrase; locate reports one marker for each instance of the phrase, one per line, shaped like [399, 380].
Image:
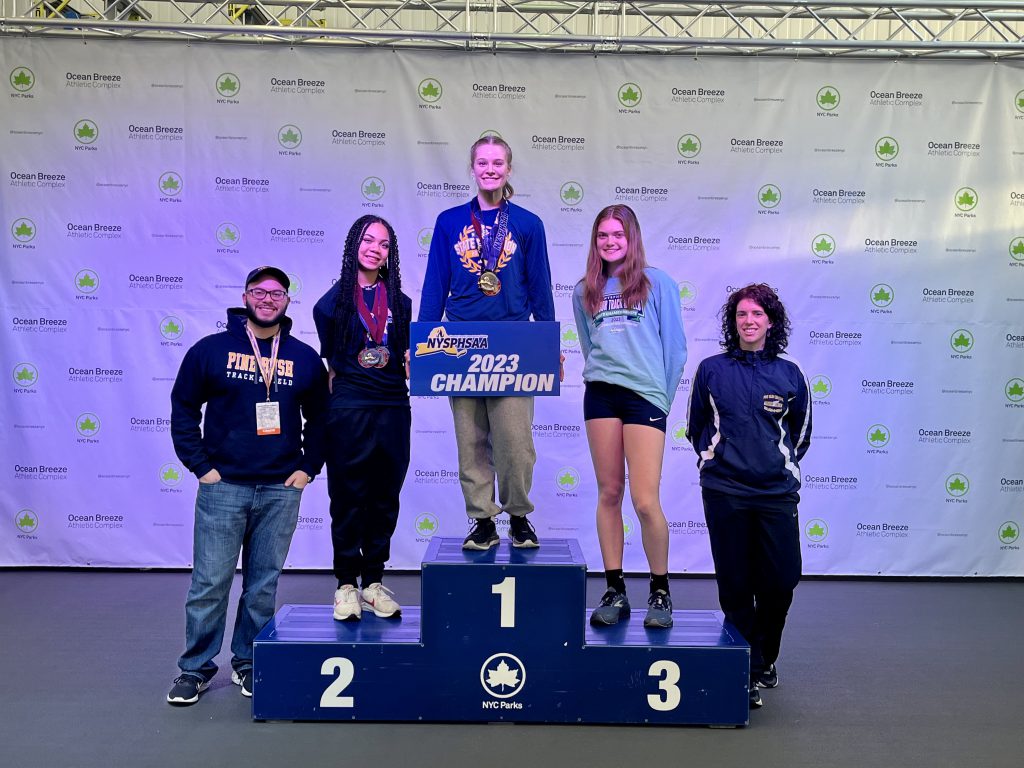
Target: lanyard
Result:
[268, 365]
[494, 244]
[376, 321]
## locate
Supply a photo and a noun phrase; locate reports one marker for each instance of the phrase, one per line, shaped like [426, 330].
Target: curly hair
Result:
[635, 283]
[495, 140]
[344, 304]
[764, 296]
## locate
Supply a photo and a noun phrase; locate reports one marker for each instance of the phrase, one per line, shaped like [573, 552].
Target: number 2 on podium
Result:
[507, 591]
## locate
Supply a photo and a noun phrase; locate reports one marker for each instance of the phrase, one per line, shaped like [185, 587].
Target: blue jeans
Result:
[258, 521]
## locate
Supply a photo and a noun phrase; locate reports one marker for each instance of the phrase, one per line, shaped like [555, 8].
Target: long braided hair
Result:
[344, 305]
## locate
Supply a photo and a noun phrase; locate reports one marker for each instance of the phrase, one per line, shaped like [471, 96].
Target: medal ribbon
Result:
[376, 321]
[268, 365]
[491, 246]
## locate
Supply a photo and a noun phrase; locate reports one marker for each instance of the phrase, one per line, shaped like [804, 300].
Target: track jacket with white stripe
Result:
[749, 421]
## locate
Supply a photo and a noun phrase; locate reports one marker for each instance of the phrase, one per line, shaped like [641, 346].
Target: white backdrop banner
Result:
[884, 201]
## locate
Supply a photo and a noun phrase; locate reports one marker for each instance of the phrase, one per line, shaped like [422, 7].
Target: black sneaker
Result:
[613, 607]
[483, 535]
[755, 696]
[186, 690]
[659, 610]
[243, 679]
[769, 678]
[520, 530]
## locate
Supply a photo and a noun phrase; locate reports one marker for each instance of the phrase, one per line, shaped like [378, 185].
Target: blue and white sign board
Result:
[521, 652]
[484, 359]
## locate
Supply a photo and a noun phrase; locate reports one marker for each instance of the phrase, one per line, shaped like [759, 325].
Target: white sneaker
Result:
[346, 604]
[378, 598]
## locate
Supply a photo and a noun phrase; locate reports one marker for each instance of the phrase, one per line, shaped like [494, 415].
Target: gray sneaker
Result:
[613, 607]
[659, 610]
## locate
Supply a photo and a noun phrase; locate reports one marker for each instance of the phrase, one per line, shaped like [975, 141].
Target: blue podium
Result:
[501, 635]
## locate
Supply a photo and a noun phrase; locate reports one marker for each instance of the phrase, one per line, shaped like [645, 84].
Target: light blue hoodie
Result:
[640, 348]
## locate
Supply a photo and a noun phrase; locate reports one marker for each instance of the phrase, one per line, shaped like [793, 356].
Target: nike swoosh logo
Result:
[651, 418]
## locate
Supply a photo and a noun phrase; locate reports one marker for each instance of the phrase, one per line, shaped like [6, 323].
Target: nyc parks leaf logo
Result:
[882, 295]
[27, 521]
[1017, 249]
[687, 292]
[170, 184]
[88, 424]
[1018, 101]
[568, 479]
[22, 79]
[886, 148]
[679, 433]
[87, 281]
[228, 84]
[630, 94]
[430, 90]
[25, 375]
[289, 136]
[570, 336]
[957, 485]
[1015, 390]
[816, 530]
[86, 132]
[372, 188]
[228, 234]
[821, 387]
[503, 675]
[170, 474]
[962, 340]
[23, 230]
[769, 196]
[1009, 532]
[571, 193]
[688, 146]
[823, 246]
[171, 328]
[878, 435]
[426, 524]
[828, 98]
[424, 237]
[966, 199]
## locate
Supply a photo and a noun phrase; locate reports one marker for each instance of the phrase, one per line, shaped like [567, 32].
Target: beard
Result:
[256, 320]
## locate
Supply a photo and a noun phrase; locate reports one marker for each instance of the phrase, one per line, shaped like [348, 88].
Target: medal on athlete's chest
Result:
[489, 283]
[490, 247]
[375, 322]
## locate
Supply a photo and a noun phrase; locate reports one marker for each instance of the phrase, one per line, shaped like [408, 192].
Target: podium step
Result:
[501, 635]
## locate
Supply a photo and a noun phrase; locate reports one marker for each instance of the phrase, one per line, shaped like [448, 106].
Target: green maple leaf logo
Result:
[86, 131]
[87, 281]
[688, 146]
[1018, 248]
[425, 239]
[957, 485]
[170, 475]
[228, 234]
[227, 85]
[23, 230]
[1015, 390]
[372, 189]
[1009, 533]
[170, 184]
[823, 246]
[289, 137]
[816, 531]
[26, 522]
[820, 386]
[503, 676]
[1020, 103]
[961, 342]
[572, 193]
[87, 425]
[966, 200]
[679, 433]
[878, 436]
[686, 293]
[430, 90]
[23, 78]
[629, 95]
[569, 335]
[567, 480]
[828, 98]
[426, 525]
[769, 196]
[25, 375]
[171, 328]
[887, 149]
[881, 295]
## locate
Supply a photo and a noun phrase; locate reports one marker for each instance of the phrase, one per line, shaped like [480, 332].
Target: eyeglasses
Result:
[261, 293]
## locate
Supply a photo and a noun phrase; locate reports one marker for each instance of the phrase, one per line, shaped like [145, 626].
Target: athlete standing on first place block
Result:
[489, 262]
[631, 332]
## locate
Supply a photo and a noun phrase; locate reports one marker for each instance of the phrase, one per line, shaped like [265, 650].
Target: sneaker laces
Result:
[658, 600]
[609, 597]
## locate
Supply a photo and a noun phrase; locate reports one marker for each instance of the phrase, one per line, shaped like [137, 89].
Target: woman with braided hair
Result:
[363, 325]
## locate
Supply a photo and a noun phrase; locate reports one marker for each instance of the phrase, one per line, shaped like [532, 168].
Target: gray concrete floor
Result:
[893, 674]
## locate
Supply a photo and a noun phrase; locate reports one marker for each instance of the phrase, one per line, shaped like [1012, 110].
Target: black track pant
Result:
[367, 458]
[756, 546]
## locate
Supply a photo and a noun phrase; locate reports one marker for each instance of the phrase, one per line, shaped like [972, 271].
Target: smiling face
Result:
[612, 244]
[752, 325]
[374, 249]
[265, 312]
[491, 168]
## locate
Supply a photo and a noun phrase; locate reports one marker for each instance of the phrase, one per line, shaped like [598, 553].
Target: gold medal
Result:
[370, 357]
[489, 283]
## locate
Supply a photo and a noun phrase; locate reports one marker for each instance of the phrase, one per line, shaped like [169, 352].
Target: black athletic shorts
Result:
[610, 401]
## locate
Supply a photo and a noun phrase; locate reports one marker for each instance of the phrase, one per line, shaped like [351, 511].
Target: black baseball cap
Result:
[273, 272]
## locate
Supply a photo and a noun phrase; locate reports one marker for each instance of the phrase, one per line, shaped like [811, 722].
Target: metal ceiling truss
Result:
[993, 30]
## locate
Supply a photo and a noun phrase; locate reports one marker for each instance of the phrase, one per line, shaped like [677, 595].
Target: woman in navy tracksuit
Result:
[750, 423]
